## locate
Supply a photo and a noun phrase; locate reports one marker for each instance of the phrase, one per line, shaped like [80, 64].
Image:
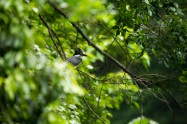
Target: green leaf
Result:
[146, 1]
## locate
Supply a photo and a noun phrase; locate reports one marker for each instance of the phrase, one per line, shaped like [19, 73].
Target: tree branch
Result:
[92, 44]
[51, 33]
[133, 76]
[93, 111]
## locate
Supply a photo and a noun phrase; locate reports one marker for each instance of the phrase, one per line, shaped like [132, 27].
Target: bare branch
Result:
[136, 78]
[92, 44]
[51, 33]
[93, 111]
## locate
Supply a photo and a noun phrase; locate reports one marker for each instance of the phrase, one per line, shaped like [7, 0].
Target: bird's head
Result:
[78, 51]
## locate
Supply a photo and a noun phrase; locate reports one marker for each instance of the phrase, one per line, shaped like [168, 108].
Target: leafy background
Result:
[148, 37]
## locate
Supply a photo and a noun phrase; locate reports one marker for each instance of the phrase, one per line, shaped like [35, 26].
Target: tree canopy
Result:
[136, 61]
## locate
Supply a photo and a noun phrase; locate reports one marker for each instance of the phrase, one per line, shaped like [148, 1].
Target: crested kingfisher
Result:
[76, 59]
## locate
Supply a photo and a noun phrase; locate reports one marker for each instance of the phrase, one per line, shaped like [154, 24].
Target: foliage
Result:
[37, 85]
[142, 120]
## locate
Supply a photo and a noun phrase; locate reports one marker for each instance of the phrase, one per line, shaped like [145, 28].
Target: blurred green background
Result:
[147, 37]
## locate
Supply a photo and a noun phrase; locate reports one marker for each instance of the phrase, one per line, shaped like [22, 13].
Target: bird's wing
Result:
[74, 60]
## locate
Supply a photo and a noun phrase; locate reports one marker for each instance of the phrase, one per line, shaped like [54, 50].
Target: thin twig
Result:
[167, 103]
[171, 96]
[100, 95]
[64, 55]
[92, 44]
[93, 111]
[136, 78]
[93, 78]
[116, 38]
[51, 33]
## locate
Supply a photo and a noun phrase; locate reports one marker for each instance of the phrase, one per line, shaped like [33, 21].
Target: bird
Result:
[76, 59]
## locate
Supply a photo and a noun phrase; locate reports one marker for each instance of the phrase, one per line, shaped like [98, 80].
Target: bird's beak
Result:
[84, 54]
